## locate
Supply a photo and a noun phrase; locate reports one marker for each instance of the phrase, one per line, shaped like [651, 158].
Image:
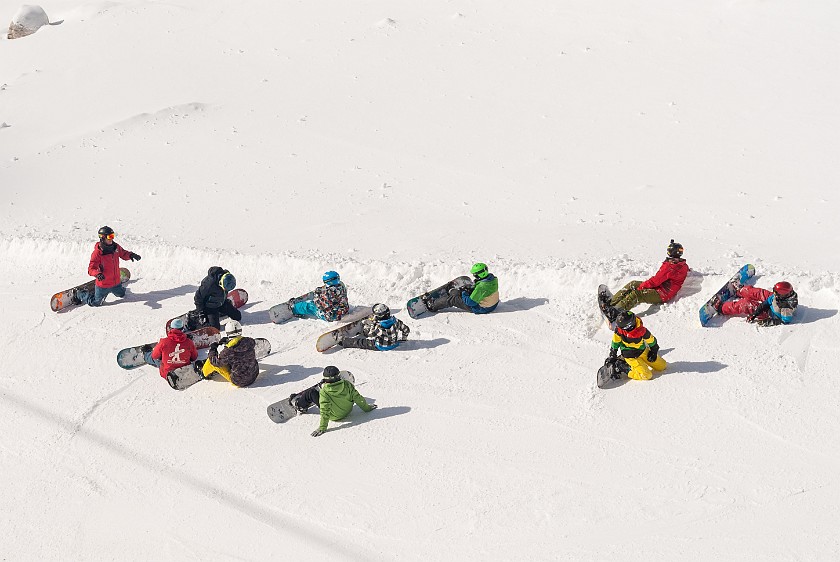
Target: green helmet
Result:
[480, 270]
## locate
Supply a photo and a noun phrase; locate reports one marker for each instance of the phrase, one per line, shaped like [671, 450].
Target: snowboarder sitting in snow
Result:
[105, 266]
[211, 297]
[329, 301]
[660, 288]
[481, 299]
[234, 358]
[173, 351]
[760, 305]
[380, 331]
[638, 347]
[335, 398]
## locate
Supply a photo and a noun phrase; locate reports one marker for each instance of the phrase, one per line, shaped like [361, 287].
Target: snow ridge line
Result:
[281, 275]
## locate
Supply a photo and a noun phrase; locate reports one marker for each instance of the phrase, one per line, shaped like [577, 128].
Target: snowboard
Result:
[707, 311]
[612, 370]
[191, 319]
[282, 312]
[604, 296]
[417, 306]
[283, 410]
[64, 299]
[186, 376]
[354, 328]
[133, 357]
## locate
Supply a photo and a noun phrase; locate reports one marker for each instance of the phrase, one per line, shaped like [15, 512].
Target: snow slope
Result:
[562, 143]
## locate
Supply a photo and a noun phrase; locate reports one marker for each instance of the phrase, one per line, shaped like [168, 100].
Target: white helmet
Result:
[233, 329]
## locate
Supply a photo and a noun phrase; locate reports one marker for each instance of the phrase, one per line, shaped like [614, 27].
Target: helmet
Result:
[227, 282]
[233, 329]
[331, 278]
[331, 374]
[381, 311]
[106, 232]
[626, 320]
[675, 249]
[782, 289]
[480, 270]
[177, 324]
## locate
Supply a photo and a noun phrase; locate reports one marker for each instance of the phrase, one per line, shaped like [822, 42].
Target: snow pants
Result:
[99, 293]
[748, 299]
[307, 398]
[630, 295]
[307, 309]
[208, 369]
[227, 309]
[452, 298]
[640, 367]
[360, 342]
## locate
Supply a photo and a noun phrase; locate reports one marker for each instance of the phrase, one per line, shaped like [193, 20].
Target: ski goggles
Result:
[107, 236]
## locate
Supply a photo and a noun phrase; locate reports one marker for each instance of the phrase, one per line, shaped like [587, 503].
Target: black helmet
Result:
[331, 374]
[675, 249]
[381, 311]
[626, 320]
[106, 231]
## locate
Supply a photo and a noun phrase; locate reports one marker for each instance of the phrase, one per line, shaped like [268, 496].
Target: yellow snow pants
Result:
[640, 367]
[208, 369]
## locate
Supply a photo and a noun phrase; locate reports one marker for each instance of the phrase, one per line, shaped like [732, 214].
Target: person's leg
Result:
[622, 293]
[118, 291]
[455, 299]
[359, 342]
[98, 296]
[639, 369]
[305, 309]
[213, 319]
[754, 293]
[147, 356]
[227, 309]
[208, 369]
[739, 307]
[304, 400]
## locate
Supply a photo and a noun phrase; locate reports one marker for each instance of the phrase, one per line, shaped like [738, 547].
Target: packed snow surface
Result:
[563, 143]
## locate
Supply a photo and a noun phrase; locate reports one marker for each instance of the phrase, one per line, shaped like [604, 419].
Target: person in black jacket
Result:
[234, 358]
[211, 297]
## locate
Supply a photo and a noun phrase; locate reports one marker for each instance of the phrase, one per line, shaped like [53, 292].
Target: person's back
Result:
[337, 399]
[175, 350]
[239, 355]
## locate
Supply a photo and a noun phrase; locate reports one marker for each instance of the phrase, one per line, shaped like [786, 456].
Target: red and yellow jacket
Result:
[633, 342]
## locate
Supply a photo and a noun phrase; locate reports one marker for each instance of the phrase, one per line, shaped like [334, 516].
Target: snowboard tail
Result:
[607, 311]
[133, 357]
[64, 299]
[282, 312]
[283, 410]
[727, 292]
[184, 377]
[419, 304]
[192, 320]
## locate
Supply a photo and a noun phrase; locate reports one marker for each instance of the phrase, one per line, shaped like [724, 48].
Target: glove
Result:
[769, 322]
[133, 256]
[373, 407]
[652, 353]
[317, 432]
[613, 353]
[100, 276]
[751, 318]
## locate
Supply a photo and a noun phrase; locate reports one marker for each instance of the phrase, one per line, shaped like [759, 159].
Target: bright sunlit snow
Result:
[564, 143]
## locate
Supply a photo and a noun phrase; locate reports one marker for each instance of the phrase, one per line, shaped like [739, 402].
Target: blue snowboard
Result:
[727, 292]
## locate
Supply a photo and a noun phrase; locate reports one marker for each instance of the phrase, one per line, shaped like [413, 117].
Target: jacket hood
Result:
[216, 272]
[177, 336]
[245, 344]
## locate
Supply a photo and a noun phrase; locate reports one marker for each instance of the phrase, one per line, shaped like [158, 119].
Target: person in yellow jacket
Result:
[638, 347]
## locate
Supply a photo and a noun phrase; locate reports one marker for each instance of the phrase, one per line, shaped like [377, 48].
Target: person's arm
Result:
[660, 277]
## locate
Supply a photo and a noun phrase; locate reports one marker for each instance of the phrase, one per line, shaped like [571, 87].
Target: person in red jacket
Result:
[173, 351]
[105, 266]
[660, 288]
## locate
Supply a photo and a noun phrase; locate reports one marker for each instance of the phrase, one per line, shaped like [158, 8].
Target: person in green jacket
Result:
[335, 397]
[481, 299]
